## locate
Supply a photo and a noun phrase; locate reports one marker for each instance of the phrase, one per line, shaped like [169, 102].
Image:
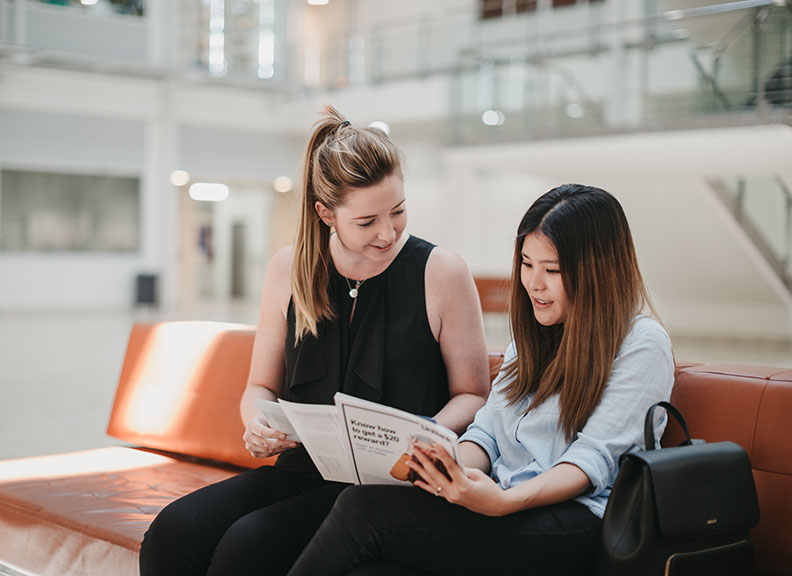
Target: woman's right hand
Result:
[262, 441]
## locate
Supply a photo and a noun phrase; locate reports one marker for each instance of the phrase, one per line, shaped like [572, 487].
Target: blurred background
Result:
[150, 159]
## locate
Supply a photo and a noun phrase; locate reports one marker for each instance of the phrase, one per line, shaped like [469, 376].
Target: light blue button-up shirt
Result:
[521, 446]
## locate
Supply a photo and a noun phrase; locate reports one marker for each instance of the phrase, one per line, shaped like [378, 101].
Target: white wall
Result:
[93, 123]
[706, 277]
[72, 144]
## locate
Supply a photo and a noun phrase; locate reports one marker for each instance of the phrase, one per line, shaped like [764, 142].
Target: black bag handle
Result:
[649, 424]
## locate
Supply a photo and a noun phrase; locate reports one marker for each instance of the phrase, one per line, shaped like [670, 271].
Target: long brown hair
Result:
[605, 289]
[339, 157]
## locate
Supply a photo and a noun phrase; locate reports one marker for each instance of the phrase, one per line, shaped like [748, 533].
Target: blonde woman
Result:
[356, 305]
[541, 456]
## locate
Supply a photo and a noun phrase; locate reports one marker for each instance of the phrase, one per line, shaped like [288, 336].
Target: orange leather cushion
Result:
[60, 514]
[772, 537]
[750, 405]
[717, 405]
[772, 449]
[180, 388]
[772, 463]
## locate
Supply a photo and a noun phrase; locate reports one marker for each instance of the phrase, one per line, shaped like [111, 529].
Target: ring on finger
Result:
[437, 492]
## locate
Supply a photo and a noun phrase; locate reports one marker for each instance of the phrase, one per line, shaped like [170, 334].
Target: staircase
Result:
[744, 58]
[762, 208]
[778, 87]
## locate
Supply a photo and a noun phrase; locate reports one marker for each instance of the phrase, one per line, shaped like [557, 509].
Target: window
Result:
[51, 212]
[499, 8]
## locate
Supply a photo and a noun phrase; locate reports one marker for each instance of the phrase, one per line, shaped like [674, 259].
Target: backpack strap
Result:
[649, 437]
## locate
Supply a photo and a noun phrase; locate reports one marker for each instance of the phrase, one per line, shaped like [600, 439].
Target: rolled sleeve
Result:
[482, 430]
[594, 459]
[486, 442]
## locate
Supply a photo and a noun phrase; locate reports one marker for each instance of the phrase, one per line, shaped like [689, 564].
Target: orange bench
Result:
[85, 513]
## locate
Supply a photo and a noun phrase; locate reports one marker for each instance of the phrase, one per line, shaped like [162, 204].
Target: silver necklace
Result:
[353, 292]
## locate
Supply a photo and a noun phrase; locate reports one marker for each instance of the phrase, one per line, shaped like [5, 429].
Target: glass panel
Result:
[766, 204]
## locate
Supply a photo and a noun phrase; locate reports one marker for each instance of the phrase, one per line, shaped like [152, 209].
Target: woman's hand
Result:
[470, 488]
[262, 441]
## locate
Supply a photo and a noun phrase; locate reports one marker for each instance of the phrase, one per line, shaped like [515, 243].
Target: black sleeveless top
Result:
[386, 353]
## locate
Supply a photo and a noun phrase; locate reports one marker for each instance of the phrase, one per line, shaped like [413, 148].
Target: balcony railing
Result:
[762, 206]
[580, 69]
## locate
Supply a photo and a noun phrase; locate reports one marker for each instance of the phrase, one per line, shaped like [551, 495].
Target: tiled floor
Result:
[58, 371]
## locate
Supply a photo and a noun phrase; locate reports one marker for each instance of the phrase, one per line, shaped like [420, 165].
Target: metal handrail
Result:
[787, 258]
[736, 203]
[716, 89]
[669, 16]
[646, 21]
[723, 45]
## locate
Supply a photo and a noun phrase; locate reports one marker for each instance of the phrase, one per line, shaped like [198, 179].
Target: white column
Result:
[20, 22]
[161, 200]
[624, 103]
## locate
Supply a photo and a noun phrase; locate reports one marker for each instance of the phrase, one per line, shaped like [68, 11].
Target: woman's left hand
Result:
[470, 488]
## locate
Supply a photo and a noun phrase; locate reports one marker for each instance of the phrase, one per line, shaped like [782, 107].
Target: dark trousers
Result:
[257, 522]
[426, 533]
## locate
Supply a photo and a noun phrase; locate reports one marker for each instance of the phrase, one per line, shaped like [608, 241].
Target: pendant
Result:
[353, 293]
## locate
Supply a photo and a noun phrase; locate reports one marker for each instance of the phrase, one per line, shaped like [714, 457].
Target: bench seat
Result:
[85, 512]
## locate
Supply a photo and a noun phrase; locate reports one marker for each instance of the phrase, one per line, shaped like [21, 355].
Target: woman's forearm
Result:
[248, 407]
[559, 484]
[474, 456]
[459, 411]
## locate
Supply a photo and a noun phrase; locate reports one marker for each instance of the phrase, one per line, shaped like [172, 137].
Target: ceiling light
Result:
[208, 191]
[282, 184]
[493, 117]
[179, 177]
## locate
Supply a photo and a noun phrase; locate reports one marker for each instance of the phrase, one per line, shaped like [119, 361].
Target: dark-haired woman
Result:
[541, 456]
[356, 305]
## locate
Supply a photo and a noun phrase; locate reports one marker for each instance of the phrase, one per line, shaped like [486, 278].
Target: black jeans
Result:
[257, 522]
[409, 526]
[254, 523]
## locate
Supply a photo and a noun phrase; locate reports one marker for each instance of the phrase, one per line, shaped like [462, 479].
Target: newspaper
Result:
[357, 441]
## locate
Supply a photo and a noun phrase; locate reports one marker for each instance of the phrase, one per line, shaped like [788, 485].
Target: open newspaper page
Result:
[273, 412]
[381, 438]
[321, 432]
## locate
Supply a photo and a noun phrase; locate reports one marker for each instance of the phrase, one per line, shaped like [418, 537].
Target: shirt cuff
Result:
[595, 462]
[485, 442]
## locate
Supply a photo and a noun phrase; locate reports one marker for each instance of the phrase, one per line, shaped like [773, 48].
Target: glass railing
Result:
[671, 70]
[738, 71]
[73, 34]
[762, 206]
[575, 70]
[585, 68]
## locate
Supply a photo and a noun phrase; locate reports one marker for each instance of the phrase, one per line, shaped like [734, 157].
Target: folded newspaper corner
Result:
[357, 441]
